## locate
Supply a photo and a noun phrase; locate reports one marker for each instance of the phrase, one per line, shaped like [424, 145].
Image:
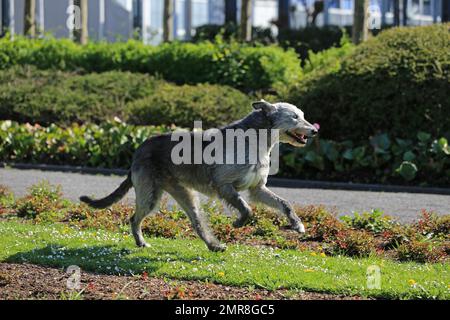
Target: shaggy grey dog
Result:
[153, 172]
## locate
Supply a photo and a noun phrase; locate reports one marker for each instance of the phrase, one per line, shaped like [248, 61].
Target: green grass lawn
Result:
[114, 253]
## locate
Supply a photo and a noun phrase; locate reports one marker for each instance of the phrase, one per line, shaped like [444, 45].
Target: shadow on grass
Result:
[104, 259]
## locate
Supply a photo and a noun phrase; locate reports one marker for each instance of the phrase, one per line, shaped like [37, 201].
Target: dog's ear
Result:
[263, 105]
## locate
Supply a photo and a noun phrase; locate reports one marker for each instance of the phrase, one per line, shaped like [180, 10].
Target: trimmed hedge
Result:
[241, 66]
[111, 145]
[46, 97]
[181, 105]
[397, 83]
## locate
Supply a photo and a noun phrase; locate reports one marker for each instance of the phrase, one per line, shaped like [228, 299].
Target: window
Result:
[426, 7]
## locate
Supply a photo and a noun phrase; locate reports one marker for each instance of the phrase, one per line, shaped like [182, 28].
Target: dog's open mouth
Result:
[300, 138]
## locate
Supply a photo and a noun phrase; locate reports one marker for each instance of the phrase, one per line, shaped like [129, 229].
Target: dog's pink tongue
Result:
[317, 126]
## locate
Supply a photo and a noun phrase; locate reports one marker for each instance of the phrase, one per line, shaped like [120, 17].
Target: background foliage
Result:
[31, 95]
[242, 66]
[397, 83]
[383, 106]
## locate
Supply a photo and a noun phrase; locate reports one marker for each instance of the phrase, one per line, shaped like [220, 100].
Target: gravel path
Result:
[404, 206]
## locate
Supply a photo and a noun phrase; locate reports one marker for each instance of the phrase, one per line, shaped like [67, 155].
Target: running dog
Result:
[153, 171]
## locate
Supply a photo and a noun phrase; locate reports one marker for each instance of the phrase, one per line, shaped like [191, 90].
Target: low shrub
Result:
[396, 82]
[45, 190]
[77, 214]
[397, 235]
[160, 225]
[239, 65]
[326, 229]
[54, 97]
[321, 224]
[113, 219]
[261, 212]
[6, 199]
[265, 228]
[374, 221]
[312, 214]
[431, 225]
[421, 251]
[43, 204]
[222, 227]
[353, 243]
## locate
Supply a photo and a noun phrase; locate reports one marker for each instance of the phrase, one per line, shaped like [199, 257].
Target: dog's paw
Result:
[300, 228]
[220, 247]
[143, 245]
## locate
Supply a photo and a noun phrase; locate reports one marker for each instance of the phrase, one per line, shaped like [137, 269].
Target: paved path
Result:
[405, 206]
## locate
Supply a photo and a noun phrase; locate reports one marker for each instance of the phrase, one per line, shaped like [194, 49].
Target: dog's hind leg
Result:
[233, 198]
[267, 197]
[188, 200]
[147, 198]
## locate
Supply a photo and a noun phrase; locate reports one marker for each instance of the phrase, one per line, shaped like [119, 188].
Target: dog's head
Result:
[289, 120]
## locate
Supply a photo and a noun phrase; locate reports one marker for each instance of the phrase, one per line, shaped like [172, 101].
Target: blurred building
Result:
[340, 12]
[116, 20]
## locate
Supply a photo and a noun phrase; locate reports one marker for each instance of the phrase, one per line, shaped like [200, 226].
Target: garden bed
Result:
[332, 258]
[28, 281]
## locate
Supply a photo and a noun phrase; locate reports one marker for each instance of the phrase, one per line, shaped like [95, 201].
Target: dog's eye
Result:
[295, 116]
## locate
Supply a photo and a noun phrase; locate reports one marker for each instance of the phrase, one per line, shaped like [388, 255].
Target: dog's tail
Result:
[118, 194]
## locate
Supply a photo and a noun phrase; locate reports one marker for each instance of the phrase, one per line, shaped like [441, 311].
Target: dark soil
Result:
[26, 281]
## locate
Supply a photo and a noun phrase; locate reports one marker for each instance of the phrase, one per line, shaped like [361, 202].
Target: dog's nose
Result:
[314, 132]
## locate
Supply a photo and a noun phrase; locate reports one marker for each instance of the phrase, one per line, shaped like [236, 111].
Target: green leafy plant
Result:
[407, 170]
[109, 145]
[374, 221]
[265, 228]
[381, 159]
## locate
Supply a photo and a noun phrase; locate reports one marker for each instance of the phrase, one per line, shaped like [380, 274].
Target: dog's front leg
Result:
[234, 199]
[267, 197]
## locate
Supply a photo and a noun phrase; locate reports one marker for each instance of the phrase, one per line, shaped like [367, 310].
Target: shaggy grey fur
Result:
[153, 172]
